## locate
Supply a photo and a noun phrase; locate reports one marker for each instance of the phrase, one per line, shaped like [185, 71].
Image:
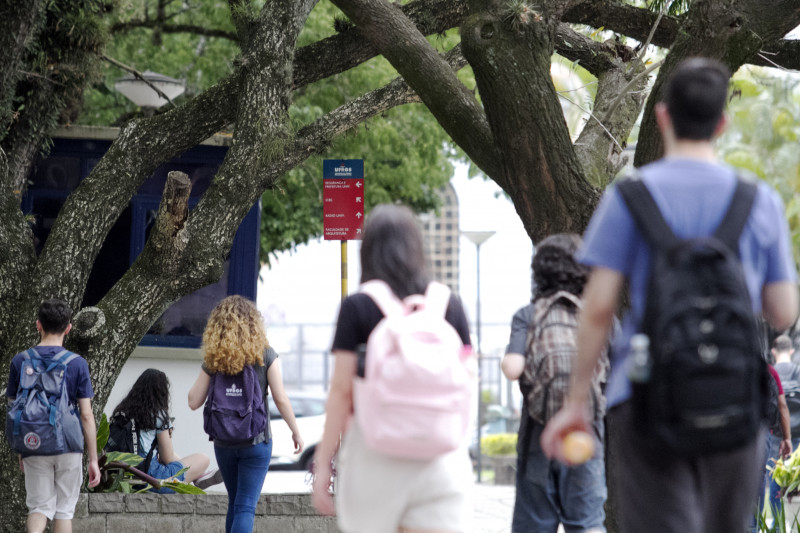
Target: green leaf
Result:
[182, 488]
[130, 459]
[103, 431]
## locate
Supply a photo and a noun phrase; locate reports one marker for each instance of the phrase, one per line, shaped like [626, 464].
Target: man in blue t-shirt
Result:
[53, 482]
[668, 493]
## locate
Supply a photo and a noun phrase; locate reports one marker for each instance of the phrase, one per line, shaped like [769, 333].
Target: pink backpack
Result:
[414, 401]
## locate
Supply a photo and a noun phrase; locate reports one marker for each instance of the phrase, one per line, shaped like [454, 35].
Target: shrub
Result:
[499, 444]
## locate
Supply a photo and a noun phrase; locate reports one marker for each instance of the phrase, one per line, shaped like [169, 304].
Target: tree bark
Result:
[732, 32]
[453, 105]
[18, 29]
[540, 171]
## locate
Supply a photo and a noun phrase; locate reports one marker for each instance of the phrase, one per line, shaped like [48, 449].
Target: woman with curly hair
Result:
[147, 404]
[234, 338]
[549, 493]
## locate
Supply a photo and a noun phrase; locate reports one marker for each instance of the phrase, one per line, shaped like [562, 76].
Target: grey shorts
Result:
[53, 484]
[657, 492]
[378, 494]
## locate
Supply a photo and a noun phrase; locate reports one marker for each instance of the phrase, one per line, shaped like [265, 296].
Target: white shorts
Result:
[376, 493]
[53, 484]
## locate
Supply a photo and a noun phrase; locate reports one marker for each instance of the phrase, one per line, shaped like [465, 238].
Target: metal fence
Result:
[307, 364]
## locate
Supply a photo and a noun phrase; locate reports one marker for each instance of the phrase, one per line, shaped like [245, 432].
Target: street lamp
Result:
[140, 90]
[477, 238]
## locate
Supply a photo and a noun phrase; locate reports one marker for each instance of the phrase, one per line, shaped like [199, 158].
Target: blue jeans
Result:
[243, 471]
[549, 493]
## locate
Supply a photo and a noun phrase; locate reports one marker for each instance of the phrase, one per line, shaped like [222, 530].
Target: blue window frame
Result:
[71, 160]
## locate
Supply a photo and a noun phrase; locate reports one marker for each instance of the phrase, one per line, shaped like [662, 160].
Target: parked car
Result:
[309, 409]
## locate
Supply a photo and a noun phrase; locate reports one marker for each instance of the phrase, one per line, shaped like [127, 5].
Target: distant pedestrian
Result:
[666, 479]
[379, 492]
[789, 373]
[239, 365]
[148, 403]
[540, 355]
[52, 466]
[778, 434]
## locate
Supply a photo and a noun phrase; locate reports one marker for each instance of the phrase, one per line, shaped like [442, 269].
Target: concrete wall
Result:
[182, 513]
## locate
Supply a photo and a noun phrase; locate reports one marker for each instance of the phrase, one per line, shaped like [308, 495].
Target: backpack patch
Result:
[235, 410]
[708, 386]
[41, 420]
[414, 399]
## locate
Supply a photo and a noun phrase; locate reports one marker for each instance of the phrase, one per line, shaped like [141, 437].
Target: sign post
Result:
[343, 204]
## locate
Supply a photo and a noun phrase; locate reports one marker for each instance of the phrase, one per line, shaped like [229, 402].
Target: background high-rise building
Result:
[441, 239]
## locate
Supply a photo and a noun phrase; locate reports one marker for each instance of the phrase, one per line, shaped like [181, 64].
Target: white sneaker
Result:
[209, 479]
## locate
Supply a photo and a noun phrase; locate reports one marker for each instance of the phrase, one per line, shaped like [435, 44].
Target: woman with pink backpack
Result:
[402, 384]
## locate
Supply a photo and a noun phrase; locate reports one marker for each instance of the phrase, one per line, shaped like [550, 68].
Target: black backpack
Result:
[791, 391]
[708, 385]
[123, 436]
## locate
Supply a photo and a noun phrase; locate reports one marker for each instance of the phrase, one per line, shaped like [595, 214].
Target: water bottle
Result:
[639, 362]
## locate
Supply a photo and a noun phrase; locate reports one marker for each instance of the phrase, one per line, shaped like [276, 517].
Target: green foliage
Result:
[781, 519]
[488, 397]
[764, 114]
[676, 7]
[499, 444]
[200, 60]
[406, 152]
[118, 472]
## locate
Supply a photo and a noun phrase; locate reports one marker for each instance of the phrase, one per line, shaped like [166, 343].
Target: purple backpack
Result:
[234, 410]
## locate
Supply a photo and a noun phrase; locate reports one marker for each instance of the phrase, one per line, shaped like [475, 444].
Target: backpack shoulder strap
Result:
[64, 357]
[437, 298]
[645, 213]
[730, 229]
[31, 355]
[541, 311]
[383, 296]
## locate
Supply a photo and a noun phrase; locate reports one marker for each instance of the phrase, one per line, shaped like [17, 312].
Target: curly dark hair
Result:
[555, 268]
[147, 401]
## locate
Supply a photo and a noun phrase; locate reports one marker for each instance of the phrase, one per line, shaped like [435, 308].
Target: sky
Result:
[304, 286]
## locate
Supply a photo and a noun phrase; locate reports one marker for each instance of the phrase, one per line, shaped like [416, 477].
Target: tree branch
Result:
[625, 19]
[732, 34]
[348, 49]
[596, 57]
[454, 106]
[621, 92]
[18, 26]
[72, 247]
[121, 27]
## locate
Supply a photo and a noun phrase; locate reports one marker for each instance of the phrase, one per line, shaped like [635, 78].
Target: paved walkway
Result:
[492, 507]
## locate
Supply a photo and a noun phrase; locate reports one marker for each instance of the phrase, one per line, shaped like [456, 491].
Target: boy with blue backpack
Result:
[49, 419]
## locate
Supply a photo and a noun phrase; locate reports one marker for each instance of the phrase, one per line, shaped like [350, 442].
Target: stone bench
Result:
[184, 513]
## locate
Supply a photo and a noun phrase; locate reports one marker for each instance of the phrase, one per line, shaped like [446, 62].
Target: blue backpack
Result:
[41, 420]
[234, 410]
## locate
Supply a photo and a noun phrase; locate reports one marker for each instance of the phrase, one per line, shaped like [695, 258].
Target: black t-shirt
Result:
[359, 315]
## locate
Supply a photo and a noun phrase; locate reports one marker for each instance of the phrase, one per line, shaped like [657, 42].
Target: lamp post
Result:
[140, 90]
[477, 238]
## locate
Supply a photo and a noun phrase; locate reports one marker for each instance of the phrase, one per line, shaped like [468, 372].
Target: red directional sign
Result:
[343, 198]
